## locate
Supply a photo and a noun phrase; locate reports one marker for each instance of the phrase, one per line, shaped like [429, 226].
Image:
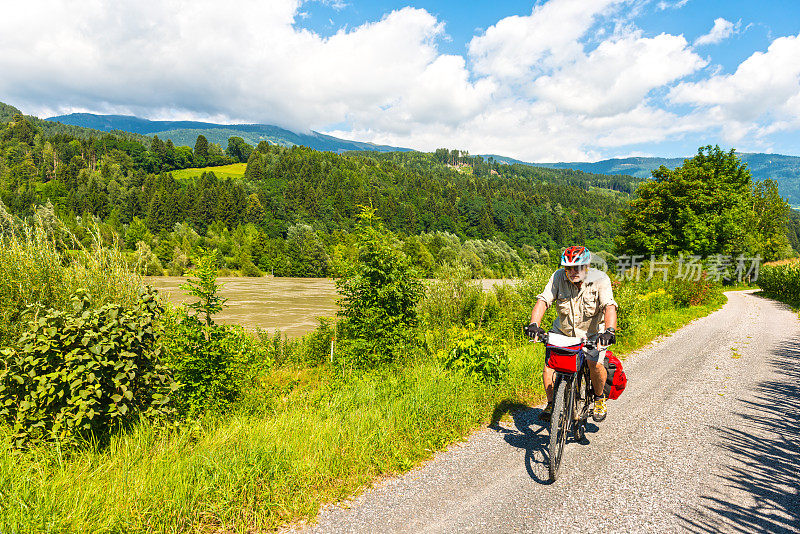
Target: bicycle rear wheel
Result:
[559, 425]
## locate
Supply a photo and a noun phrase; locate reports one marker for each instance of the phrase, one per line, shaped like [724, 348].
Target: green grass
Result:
[301, 437]
[234, 170]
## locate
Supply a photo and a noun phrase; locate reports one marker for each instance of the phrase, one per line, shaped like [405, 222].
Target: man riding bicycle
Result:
[586, 309]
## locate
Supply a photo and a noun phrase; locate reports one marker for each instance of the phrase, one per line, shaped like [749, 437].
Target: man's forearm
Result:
[538, 312]
[610, 317]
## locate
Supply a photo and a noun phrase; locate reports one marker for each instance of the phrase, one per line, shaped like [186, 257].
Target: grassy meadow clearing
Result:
[234, 170]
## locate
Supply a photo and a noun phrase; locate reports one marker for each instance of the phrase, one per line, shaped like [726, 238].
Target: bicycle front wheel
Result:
[583, 398]
[559, 425]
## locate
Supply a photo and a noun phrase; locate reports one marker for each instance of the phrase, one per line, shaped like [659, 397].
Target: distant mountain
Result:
[8, 112]
[184, 133]
[783, 169]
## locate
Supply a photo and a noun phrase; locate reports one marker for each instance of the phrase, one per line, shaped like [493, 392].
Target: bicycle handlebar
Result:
[586, 343]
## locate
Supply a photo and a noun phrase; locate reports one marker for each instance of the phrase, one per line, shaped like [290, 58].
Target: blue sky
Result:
[555, 80]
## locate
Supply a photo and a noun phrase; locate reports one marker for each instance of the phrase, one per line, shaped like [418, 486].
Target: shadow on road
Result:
[764, 460]
[531, 435]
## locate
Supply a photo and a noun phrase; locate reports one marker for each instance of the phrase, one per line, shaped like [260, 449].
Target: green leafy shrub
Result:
[85, 373]
[451, 300]
[476, 354]
[313, 349]
[210, 361]
[249, 269]
[280, 349]
[694, 292]
[379, 298]
[317, 344]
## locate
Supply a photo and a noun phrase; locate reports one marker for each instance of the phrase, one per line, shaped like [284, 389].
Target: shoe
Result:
[600, 411]
[547, 412]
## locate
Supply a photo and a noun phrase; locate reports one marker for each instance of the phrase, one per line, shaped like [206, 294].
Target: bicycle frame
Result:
[581, 377]
[572, 396]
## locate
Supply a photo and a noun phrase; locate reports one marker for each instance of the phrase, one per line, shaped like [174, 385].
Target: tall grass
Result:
[36, 269]
[302, 440]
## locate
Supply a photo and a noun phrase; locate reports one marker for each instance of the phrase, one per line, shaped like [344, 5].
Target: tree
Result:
[201, 150]
[205, 288]
[306, 252]
[254, 170]
[238, 149]
[255, 211]
[157, 147]
[707, 206]
[771, 213]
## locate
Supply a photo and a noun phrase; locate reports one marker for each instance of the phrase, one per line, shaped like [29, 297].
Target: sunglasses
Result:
[575, 268]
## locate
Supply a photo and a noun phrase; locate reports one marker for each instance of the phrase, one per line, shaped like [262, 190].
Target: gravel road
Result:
[704, 439]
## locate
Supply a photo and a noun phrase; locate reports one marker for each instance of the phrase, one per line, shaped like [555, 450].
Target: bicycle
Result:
[573, 394]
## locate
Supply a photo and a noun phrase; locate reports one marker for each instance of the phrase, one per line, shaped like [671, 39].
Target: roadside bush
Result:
[505, 314]
[279, 349]
[85, 373]
[694, 292]
[477, 355]
[313, 349]
[211, 362]
[452, 300]
[781, 282]
[379, 298]
[317, 344]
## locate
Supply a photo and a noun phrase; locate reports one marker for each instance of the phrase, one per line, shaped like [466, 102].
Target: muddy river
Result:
[291, 305]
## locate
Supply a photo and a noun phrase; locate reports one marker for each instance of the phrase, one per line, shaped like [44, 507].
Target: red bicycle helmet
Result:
[576, 256]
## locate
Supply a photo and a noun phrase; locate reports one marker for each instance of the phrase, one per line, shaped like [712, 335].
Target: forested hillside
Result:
[785, 170]
[293, 211]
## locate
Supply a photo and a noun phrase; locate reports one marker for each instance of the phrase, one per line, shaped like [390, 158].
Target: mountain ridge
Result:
[184, 133]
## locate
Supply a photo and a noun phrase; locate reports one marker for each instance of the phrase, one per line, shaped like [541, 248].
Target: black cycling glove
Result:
[534, 331]
[609, 337]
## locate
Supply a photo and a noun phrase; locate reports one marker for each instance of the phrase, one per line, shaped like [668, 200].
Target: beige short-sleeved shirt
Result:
[580, 312]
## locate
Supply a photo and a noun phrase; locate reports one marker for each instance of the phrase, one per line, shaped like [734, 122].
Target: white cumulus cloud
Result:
[246, 60]
[760, 97]
[516, 45]
[617, 76]
[722, 30]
